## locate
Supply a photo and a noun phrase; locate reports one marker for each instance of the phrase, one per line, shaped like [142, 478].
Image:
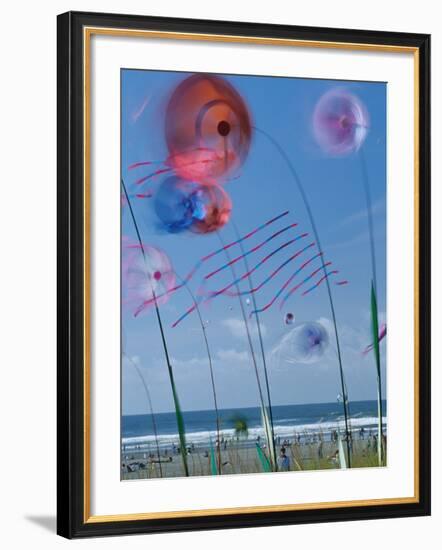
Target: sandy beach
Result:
[241, 457]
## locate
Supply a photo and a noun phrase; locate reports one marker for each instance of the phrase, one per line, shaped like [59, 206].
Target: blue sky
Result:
[282, 107]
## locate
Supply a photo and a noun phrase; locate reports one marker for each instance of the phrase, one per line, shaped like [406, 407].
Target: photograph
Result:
[221, 275]
[253, 274]
[243, 266]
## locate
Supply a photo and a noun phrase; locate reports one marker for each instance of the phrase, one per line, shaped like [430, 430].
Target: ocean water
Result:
[289, 420]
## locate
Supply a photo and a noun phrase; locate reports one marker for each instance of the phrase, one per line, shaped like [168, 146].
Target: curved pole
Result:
[260, 338]
[209, 357]
[318, 242]
[149, 400]
[180, 421]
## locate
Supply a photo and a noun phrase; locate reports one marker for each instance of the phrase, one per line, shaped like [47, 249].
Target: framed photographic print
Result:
[243, 274]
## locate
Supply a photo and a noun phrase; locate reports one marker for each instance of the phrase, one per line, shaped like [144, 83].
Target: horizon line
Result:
[254, 407]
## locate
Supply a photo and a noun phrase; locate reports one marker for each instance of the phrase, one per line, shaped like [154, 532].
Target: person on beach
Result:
[375, 442]
[320, 450]
[334, 457]
[283, 461]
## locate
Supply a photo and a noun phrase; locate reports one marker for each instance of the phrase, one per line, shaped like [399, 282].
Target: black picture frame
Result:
[72, 521]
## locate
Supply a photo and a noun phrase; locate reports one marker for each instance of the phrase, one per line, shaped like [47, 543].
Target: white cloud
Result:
[233, 372]
[227, 357]
[361, 237]
[193, 362]
[220, 358]
[357, 239]
[238, 329]
[378, 207]
[232, 355]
